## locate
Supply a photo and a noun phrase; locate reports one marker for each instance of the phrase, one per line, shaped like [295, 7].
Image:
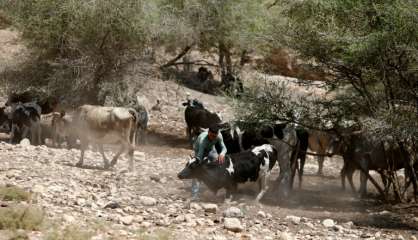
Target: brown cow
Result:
[322, 143]
[101, 125]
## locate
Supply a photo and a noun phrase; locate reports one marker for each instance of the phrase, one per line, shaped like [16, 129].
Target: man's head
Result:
[213, 132]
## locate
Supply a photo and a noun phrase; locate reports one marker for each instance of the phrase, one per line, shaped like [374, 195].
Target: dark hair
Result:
[214, 129]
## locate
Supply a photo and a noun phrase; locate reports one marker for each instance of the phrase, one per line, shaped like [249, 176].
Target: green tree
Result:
[371, 50]
[228, 26]
[73, 39]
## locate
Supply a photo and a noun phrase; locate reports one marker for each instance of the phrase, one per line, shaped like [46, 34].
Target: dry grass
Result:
[13, 193]
[21, 217]
[156, 235]
[69, 233]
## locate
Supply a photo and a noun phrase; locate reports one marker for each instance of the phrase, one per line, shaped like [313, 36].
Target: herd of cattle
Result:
[252, 152]
[22, 117]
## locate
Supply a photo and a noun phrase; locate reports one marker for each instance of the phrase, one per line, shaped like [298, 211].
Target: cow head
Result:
[192, 168]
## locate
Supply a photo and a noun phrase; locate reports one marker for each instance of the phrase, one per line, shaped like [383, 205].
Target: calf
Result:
[112, 125]
[252, 165]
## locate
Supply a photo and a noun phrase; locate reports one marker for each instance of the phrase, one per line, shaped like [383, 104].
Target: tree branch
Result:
[181, 54]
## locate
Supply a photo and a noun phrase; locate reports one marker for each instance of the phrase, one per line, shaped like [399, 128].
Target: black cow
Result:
[196, 117]
[252, 165]
[204, 74]
[25, 119]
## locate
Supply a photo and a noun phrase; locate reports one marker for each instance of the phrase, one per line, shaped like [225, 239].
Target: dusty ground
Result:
[152, 200]
[151, 203]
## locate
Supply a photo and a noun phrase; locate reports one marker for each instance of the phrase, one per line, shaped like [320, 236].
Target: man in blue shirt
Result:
[204, 146]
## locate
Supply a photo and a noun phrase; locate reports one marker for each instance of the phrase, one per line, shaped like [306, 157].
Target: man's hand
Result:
[221, 159]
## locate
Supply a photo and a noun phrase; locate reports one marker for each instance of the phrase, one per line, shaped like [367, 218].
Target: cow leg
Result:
[284, 176]
[363, 185]
[131, 150]
[115, 158]
[294, 167]
[342, 176]
[105, 161]
[350, 180]
[144, 136]
[349, 174]
[262, 181]
[320, 165]
[25, 134]
[300, 168]
[232, 190]
[38, 131]
[83, 147]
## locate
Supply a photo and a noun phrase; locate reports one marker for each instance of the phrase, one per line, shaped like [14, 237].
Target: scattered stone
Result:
[127, 220]
[155, 178]
[366, 235]
[147, 201]
[399, 237]
[210, 207]
[348, 225]
[68, 218]
[112, 205]
[384, 213]
[146, 224]
[413, 238]
[338, 228]
[328, 223]
[261, 214]
[285, 236]
[294, 219]
[233, 212]
[24, 142]
[195, 206]
[233, 224]
[309, 225]
[81, 202]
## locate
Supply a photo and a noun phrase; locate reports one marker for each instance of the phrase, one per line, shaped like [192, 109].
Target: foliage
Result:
[12, 193]
[21, 217]
[369, 47]
[74, 39]
[69, 233]
[227, 26]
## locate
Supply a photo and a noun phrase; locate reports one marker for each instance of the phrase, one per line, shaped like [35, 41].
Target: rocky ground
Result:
[118, 204]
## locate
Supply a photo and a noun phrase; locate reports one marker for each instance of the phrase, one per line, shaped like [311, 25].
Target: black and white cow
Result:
[251, 165]
[284, 138]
